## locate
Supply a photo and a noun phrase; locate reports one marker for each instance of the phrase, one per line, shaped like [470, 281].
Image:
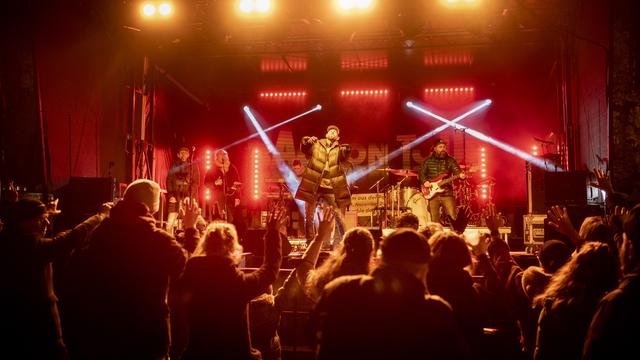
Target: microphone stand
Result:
[377, 186]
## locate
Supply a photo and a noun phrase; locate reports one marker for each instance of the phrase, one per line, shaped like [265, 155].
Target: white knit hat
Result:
[146, 192]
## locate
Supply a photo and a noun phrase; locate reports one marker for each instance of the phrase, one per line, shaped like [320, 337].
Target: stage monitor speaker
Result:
[566, 188]
[536, 189]
[82, 197]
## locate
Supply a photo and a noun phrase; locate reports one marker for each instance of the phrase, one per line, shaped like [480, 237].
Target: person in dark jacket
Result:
[121, 298]
[216, 294]
[324, 179]
[436, 173]
[183, 181]
[387, 315]
[30, 322]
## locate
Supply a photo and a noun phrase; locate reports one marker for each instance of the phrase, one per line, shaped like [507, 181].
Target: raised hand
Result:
[493, 220]
[312, 140]
[326, 222]
[603, 182]
[462, 219]
[278, 220]
[104, 209]
[190, 213]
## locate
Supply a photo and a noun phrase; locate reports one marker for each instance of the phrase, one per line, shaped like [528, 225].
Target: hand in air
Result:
[312, 140]
[603, 182]
[278, 220]
[189, 213]
[326, 223]
[493, 220]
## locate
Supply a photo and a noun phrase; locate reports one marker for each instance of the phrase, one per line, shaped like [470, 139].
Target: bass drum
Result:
[418, 205]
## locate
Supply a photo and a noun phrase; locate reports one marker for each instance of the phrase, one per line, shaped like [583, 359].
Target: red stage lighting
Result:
[282, 95]
[364, 61]
[369, 93]
[446, 57]
[256, 172]
[283, 64]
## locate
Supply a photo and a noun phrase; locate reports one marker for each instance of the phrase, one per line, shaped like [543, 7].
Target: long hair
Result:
[352, 257]
[584, 279]
[220, 239]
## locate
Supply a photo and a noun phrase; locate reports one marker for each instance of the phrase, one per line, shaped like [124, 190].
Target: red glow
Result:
[283, 64]
[364, 61]
[291, 94]
[444, 57]
[370, 92]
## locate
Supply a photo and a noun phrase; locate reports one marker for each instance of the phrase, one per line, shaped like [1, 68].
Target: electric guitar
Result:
[434, 186]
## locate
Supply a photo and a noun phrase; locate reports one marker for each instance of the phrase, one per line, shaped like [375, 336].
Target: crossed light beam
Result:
[289, 176]
[240, 141]
[358, 174]
[543, 164]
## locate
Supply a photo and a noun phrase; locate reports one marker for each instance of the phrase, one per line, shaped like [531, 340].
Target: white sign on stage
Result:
[365, 203]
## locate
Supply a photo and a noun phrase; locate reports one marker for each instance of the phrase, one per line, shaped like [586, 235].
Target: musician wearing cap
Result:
[183, 181]
[436, 175]
[324, 179]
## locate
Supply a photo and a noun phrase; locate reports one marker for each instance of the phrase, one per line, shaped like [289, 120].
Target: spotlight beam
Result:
[289, 176]
[358, 174]
[488, 139]
[314, 109]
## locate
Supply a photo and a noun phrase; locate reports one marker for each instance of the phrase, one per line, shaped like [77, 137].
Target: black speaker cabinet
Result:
[565, 188]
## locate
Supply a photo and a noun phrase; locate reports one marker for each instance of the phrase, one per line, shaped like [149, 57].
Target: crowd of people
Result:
[124, 288]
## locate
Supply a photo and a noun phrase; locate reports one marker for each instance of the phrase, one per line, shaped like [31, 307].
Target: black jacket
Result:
[432, 167]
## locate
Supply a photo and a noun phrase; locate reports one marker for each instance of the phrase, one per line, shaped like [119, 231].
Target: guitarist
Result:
[437, 167]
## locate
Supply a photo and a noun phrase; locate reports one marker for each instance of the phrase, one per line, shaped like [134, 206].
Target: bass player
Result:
[436, 175]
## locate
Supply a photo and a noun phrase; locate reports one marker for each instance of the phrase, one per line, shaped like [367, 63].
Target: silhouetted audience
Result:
[615, 328]
[387, 315]
[351, 257]
[30, 323]
[119, 307]
[216, 293]
[570, 300]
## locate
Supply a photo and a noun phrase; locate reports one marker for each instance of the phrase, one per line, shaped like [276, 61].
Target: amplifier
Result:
[534, 227]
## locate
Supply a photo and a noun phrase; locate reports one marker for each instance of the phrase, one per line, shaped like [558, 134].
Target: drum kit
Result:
[405, 195]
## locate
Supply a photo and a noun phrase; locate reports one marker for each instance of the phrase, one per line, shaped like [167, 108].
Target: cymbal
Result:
[400, 172]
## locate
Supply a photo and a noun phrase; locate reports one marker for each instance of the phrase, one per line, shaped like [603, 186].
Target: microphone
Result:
[193, 149]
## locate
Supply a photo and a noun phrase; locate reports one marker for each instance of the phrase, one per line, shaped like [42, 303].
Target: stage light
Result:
[359, 173]
[288, 175]
[314, 109]
[254, 6]
[256, 179]
[148, 9]
[294, 95]
[536, 161]
[374, 93]
[165, 9]
[354, 5]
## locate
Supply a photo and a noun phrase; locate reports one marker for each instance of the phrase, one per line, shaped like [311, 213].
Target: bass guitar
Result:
[434, 186]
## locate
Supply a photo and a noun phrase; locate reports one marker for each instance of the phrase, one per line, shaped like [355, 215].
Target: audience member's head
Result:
[498, 251]
[220, 239]
[594, 228]
[430, 229]
[408, 220]
[351, 257]
[27, 216]
[630, 251]
[553, 255]
[145, 192]
[405, 245]
[449, 250]
[586, 277]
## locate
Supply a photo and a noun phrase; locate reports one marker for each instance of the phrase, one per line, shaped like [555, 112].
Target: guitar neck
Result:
[448, 180]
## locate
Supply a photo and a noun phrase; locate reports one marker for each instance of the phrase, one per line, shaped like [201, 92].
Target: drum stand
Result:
[382, 220]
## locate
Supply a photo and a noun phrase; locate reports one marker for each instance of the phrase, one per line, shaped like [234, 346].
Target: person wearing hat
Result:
[30, 319]
[436, 173]
[388, 314]
[183, 181]
[324, 179]
[124, 278]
